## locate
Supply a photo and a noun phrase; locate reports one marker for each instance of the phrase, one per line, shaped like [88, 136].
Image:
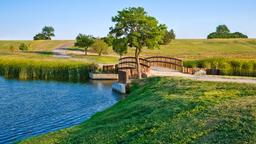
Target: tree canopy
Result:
[139, 29]
[100, 47]
[84, 41]
[46, 34]
[222, 31]
[168, 37]
[120, 46]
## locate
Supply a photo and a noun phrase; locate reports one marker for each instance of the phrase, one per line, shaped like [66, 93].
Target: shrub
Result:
[23, 47]
[12, 48]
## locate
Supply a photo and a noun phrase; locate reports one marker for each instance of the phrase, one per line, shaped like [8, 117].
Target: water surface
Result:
[29, 108]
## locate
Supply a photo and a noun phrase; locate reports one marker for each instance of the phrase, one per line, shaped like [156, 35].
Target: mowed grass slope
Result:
[201, 49]
[170, 110]
[40, 45]
[186, 49]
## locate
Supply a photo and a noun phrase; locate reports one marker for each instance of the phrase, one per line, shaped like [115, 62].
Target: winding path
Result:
[60, 52]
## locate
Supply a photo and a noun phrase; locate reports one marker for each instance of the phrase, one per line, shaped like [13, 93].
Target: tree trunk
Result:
[85, 51]
[137, 57]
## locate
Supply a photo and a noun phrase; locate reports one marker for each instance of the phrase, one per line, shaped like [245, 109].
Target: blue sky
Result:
[22, 19]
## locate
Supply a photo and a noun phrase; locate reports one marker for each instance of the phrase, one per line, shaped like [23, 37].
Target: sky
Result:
[190, 19]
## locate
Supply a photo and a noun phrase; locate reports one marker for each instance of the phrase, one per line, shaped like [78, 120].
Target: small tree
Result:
[46, 34]
[23, 47]
[100, 47]
[84, 41]
[140, 30]
[120, 46]
[168, 37]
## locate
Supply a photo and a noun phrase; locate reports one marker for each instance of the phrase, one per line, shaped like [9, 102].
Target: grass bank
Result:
[170, 110]
[43, 69]
[228, 66]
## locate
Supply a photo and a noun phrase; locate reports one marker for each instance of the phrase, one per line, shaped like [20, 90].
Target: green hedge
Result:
[28, 69]
[226, 66]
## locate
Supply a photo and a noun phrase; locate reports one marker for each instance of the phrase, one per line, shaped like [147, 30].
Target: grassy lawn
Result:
[201, 49]
[170, 110]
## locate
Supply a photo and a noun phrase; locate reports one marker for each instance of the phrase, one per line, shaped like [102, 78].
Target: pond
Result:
[30, 108]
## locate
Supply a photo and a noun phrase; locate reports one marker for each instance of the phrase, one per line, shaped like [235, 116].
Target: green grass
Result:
[99, 59]
[170, 110]
[40, 45]
[187, 49]
[201, 49]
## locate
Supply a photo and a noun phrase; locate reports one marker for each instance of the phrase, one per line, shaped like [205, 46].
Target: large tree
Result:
[84, 41]
[139, 29]
[48, 31]
[46, 34]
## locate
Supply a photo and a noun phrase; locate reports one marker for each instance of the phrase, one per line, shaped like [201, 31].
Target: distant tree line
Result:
[223, 32]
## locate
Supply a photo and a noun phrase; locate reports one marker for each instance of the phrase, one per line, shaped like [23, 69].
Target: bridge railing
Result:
[167, 62]
[130, 64]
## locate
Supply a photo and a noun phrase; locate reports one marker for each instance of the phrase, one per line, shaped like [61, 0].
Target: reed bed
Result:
[35, 69]
[227, 66]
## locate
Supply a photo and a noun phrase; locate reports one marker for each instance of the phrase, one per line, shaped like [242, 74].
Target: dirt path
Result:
[232, 79]
[60, 52]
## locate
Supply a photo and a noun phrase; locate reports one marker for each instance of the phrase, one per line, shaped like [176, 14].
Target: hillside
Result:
[41, 45]
[201, 49]
[185, 49]
[170, 110]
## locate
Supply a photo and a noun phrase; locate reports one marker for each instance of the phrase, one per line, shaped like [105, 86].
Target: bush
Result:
[12, 48]
[23, 47]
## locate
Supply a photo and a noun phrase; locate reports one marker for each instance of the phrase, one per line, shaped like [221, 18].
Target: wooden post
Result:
[123, 77]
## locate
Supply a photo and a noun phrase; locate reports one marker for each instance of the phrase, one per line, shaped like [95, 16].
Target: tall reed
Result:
[227, 66]
[35, 69]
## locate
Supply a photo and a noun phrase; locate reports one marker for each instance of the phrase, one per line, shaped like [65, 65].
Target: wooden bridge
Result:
[129, 64]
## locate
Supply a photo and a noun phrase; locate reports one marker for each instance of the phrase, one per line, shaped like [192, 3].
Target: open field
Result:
[184, 49]
[40, 45]
[201, 49]
[170, 110]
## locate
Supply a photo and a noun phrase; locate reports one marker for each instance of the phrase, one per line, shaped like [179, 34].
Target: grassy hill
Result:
[185, 49]
[41, 45]
[170, 110]
[201, 49]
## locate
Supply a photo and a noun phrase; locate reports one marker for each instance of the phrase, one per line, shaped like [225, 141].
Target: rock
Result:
[200, 73]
